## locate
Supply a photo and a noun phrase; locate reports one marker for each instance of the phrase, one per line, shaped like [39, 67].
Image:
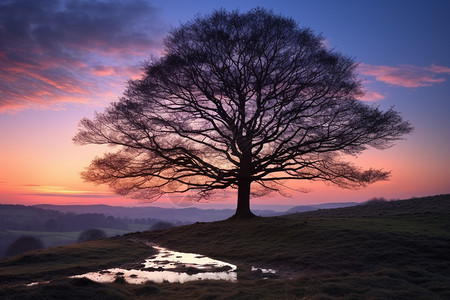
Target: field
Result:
[386, 250]
[53, 228]
[65, 237]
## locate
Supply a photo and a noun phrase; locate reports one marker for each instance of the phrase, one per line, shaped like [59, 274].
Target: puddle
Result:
[264, 271]
[170, 266]
[37, 283]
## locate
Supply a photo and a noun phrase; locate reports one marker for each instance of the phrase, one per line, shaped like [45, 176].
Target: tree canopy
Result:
[239, 100]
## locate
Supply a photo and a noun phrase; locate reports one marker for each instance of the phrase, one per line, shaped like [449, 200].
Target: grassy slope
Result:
[383, 250]
[74, 259]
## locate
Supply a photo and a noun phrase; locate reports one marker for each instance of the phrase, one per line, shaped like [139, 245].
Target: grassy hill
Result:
[382, 250]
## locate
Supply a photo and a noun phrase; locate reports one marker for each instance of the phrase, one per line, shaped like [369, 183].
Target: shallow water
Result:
[170, 266]
[264, 271]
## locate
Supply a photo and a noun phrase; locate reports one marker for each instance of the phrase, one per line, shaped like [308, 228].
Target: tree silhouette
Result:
[239, 100]
[161, 225]
[23, 244]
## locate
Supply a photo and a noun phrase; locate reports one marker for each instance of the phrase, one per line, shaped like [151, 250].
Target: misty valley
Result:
[55, 225]
[48, 228]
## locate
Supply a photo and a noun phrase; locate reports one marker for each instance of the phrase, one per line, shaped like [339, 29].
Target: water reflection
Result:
[170, 266]
[37, 283]
[264, 271]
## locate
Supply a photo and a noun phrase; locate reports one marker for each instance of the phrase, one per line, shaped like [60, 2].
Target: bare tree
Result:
[239, 100]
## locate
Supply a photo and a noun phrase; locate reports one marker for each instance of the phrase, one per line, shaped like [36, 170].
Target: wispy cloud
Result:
[96, 196]
[72, 51]
[406, 75]
[62, 191]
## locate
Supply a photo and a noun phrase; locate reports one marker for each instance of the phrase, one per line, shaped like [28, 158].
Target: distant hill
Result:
[29, 218]
[304, 208]
[438, 204]
[186, 215]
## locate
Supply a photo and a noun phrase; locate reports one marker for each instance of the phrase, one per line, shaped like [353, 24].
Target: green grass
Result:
[54, 238]
[426, 224]
[394, 250]
[70, 260]
[49, 239]
[138, 227]
[326, 244]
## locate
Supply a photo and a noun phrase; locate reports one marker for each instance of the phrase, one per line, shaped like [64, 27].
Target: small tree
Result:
[239, 100]
[24, 244]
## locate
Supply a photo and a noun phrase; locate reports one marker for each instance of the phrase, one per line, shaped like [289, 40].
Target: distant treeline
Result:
[19, 220]
[29, 218]
[19, 217]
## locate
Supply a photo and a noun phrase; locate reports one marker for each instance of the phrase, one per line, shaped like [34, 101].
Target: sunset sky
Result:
[64, 60]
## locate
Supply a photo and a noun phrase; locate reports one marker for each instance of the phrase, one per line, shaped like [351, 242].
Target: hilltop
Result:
[185, 215]
[439, 204]
[395, 250]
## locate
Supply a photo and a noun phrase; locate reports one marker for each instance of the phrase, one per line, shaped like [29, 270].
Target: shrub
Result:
[376, 200]
[161, 225]
[24, 244]
[91, 234]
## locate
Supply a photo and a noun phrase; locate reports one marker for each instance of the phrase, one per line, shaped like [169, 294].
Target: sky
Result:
[62, 60]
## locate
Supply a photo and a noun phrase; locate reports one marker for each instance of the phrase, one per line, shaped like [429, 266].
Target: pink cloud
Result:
[406, 75]
[65, 51]
[371, 96]
[440, 69]
[103, 71]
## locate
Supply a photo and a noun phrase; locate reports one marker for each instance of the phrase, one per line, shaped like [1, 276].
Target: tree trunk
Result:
[244, 181]
[243, 202]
